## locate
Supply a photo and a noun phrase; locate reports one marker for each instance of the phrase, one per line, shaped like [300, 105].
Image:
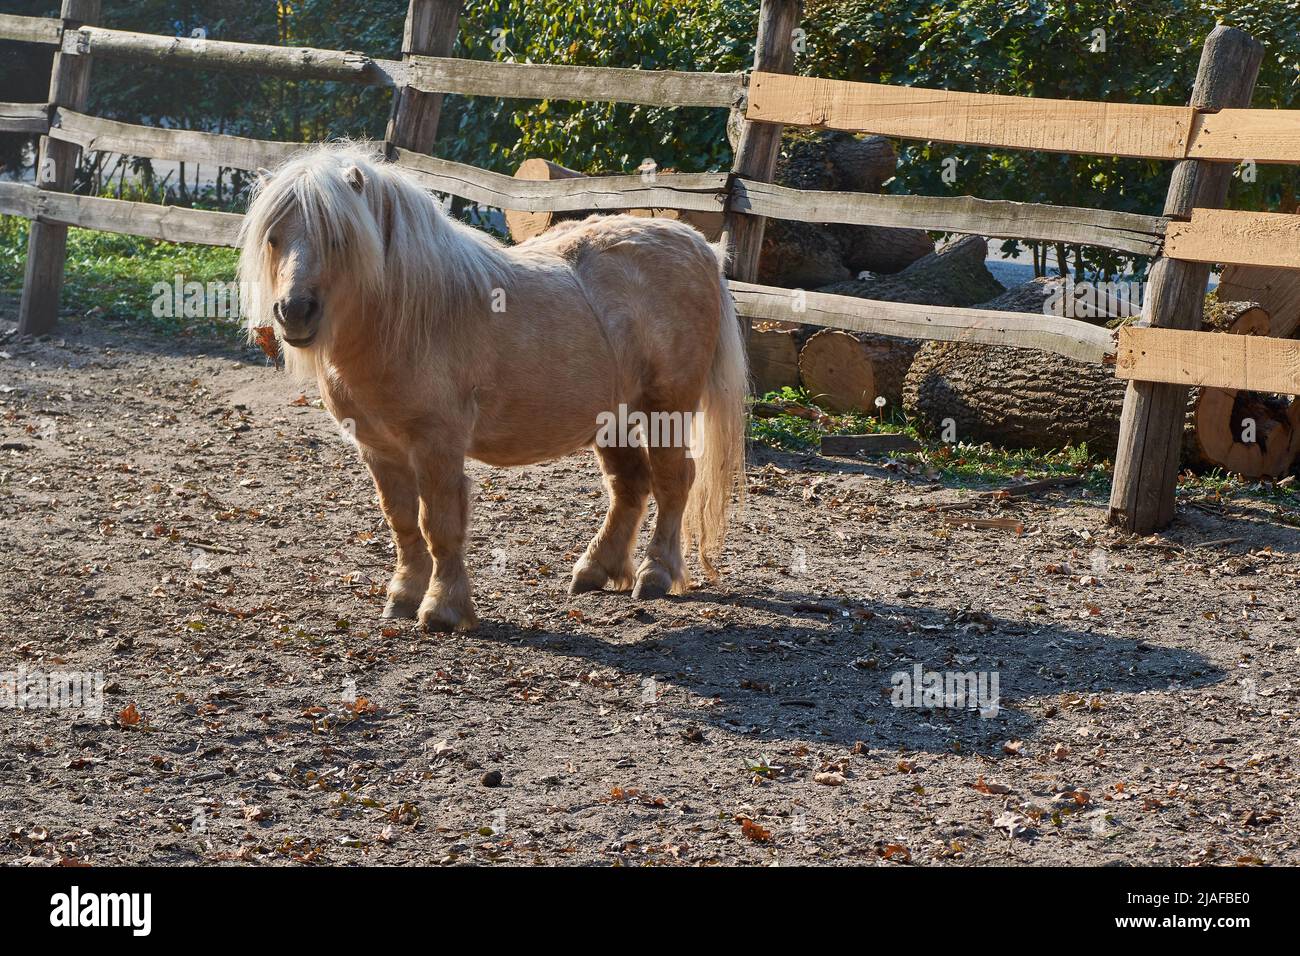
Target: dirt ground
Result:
[178, 518]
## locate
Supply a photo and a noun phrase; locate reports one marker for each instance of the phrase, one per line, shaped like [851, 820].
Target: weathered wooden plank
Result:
[976, 119]
[172, 223]
[1253, 363]
[1069, 337]
[1234, 236]
[1149, 446]
[1264, 136]
[1128, 232]
[539, 81]
[30, 29]
[700, 191]
[877, 444]
[24, 117]
[180, 145]
[297, 62]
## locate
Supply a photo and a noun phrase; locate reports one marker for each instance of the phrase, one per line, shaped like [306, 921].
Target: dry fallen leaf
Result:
[129, 716]
[264, 335]
[991, 789]
[829, 778]
[892, 850]
[754, 831]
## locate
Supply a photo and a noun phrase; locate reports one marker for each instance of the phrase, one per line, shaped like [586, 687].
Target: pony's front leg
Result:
[444, 518]
[400, 500]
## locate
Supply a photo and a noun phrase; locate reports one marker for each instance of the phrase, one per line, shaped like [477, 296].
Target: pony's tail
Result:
[719, 445]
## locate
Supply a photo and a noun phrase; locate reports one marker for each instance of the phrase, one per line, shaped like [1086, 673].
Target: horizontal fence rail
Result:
[148, 220]
[999, 219]
[1252, 363]
[30, 29]
[975, 119]
[539, 81]
[1068, 337]
[1231, 135]
[534, 81]
[1132, 130]
[1237, 237]
[696, 191]
[24, 117]
[294, 62]
[180, 145]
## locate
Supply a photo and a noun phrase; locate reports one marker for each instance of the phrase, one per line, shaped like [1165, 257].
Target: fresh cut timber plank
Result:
[1179, 357]
[975, 119]
[1236, 135]
[1237, 237]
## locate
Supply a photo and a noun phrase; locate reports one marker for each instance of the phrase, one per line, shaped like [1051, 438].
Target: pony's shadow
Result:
[836, 684]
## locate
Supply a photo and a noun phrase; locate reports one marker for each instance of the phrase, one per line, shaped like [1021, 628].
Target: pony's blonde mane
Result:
[409, 264]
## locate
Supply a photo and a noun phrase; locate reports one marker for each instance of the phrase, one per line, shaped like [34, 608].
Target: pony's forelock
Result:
[409, 265]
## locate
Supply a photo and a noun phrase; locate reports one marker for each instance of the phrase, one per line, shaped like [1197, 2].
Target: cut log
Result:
[808, 255]
[1224, 416]
[1015, 398]
[881, 249]
[773, 358]
[1276, 291]
[1247, 433]
[833, 160]
[955, 275]
[800, 255]
[846, 372]
[524, 225]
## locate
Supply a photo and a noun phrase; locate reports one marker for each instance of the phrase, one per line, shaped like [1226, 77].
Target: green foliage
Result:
[1045, 48]
[114, 275]
[698, 36]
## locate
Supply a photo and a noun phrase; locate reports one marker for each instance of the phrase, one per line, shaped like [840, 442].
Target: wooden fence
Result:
[1205, 139]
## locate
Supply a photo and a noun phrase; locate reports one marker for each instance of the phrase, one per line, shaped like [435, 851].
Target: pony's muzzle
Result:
[299, 318]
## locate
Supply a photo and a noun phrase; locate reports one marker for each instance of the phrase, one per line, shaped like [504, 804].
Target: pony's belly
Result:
[523, 433]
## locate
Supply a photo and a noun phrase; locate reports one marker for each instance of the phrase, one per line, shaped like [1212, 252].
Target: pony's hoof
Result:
[396, 608]
[652, 583]
[441, 618]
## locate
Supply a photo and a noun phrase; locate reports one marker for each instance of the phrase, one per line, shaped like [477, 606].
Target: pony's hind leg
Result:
[400, 501]
[444, 519]
[671, 473]
[607, 561]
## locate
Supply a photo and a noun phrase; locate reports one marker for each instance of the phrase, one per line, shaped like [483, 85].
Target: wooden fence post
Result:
[56, 167]
[431, 27]
[1150, 433]
[760, 143]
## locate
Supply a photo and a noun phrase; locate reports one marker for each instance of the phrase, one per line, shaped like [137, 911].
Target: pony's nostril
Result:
[297, 310]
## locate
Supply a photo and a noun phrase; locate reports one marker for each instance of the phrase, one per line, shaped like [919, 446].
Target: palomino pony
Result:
[439, 343]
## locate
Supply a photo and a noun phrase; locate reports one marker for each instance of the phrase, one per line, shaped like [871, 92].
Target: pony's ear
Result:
[263, 176]
[355, 177]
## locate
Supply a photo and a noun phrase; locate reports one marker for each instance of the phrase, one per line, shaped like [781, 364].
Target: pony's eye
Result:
[272, 242]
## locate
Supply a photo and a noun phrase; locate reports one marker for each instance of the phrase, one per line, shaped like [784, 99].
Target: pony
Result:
[433, 342]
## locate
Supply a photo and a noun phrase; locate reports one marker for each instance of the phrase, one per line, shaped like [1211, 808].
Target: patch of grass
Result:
[972, 466]
[116, 276]
[959, 465]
